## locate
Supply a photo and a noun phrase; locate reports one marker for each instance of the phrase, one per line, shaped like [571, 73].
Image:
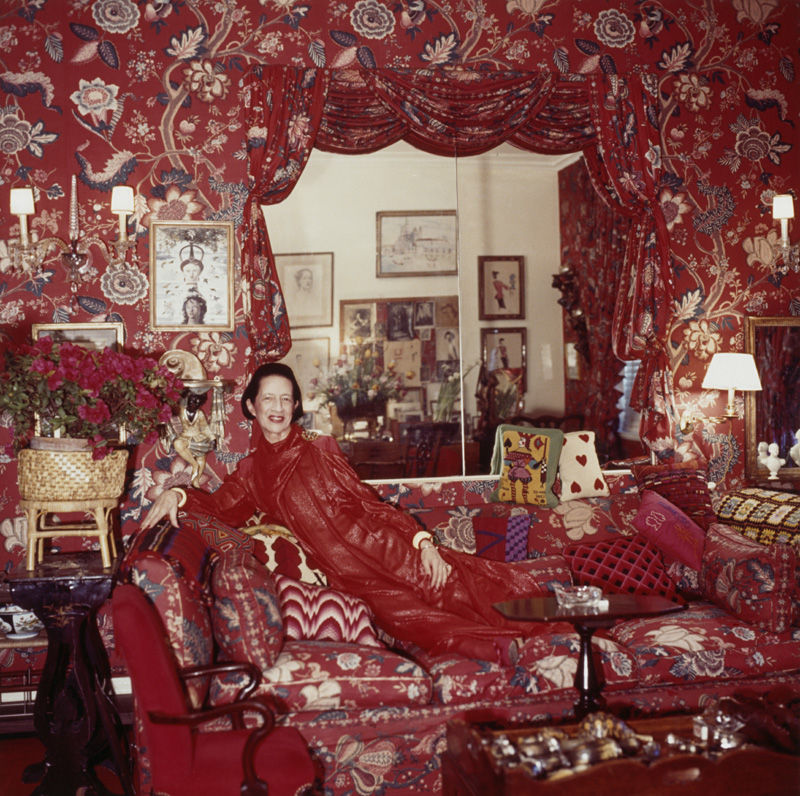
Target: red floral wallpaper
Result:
[150, 94]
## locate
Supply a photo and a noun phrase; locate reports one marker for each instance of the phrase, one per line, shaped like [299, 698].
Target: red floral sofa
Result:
[374, 715]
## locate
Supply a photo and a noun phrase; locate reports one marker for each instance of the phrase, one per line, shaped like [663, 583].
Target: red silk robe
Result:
[364, 546]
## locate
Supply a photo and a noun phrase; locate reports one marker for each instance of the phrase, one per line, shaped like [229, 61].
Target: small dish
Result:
[577, 596]
[20, 636]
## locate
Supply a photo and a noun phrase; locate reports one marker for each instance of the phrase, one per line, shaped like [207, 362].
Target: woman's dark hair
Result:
[272, 369]
[203, 307]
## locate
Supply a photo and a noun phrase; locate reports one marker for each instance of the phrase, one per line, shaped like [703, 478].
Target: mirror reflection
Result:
[773, 414]
[395, 241]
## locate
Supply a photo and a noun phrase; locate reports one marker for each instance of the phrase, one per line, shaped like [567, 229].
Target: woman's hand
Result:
[166, 504]
[434, 565]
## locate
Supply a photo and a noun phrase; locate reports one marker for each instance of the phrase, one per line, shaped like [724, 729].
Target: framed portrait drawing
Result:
[505, 348]
[357, 319]
[307, 284]
[88, 335]
[501, 288]
[303, 357]
[191, 276]
[417, 243]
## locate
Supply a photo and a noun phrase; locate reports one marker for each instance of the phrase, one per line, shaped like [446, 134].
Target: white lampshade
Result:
[732, 372]
[122, 199]
[21, 201]
[782, 206]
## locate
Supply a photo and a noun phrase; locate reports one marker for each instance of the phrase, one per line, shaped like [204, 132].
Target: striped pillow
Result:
[313, 613]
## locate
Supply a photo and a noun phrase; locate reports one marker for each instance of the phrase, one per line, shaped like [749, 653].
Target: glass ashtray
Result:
[577, 596]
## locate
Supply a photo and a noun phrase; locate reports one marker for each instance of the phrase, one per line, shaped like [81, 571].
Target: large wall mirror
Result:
[773, 414]
[505, 205]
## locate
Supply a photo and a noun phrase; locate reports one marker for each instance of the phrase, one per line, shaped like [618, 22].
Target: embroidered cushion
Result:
[316, 614]
[579, 468]
[490, 537]
[623, 565]
[755, 583]
[683, 484]
[277, 548]
[245, 615]
[526, 459]
[669, 529]
[217, 534]
[763, 515]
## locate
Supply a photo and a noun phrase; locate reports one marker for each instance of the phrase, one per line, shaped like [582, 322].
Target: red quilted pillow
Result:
[313, 613]
[623, 565]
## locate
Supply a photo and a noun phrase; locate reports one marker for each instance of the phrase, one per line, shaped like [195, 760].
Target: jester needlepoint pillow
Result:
[526, 459]
[579, 468]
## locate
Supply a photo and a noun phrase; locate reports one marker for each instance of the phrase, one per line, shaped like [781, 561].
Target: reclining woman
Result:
[436, 598]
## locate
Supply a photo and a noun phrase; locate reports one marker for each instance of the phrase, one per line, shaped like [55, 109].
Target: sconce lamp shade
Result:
[782, 206]
[122, 199]
[22, 201]
[732, 372]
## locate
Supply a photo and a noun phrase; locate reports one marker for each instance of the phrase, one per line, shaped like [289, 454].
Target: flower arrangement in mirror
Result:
[361, 384]
[60, 389]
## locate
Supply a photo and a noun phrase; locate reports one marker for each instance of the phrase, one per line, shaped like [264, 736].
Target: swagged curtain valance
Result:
[457, 112]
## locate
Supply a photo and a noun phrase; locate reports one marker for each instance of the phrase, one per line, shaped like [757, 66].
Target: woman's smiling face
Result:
[273, 407]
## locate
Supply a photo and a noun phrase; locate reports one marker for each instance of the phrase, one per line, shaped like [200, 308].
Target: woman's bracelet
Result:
[420, 537]
[183, 496]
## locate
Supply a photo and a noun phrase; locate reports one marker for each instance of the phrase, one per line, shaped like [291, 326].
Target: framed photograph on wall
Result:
[302, 359]
[307, 284]
[87, 335]
[417, 243]
[191, 276]
[501, 287]
[504, 348]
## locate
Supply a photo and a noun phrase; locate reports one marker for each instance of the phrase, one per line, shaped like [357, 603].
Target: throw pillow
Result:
[245, 614]
[763, 515]
[579, 468]
[526, 459]
[669, 529]
[683, 484]
[312, 613]
[490, 537]
[281, 553]
[753, 582]
[630, 565]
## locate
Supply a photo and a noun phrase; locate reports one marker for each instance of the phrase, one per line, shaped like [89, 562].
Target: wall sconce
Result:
[783, 210]
[28, 254]
[725, 372]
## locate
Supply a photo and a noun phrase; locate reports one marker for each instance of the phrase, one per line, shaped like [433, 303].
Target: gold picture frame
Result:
[417, 243]
[191, 276]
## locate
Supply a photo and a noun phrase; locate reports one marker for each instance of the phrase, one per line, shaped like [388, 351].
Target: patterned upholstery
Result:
[763, 515]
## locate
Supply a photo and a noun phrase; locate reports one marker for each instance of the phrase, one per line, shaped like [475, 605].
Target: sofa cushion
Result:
[526, 460]
[754, 582]
[670, 530]
[705, 643]
[763, 515]
[622, 565]
[316, 613]
[579, 468]
[245, 614]
[334, 676]
[548, 571]
[490, 537]
[277, 548]
[683, 484]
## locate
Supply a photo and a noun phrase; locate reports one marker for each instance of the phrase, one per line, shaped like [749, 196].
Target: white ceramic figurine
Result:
[772, 462]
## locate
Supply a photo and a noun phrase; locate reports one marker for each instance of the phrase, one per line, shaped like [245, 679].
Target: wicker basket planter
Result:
[70, 475]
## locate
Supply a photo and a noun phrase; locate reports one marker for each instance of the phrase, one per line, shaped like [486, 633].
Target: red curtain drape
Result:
[458, 112]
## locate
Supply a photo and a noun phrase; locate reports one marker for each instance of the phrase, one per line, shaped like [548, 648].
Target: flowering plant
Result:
[364, 381]
[80, 392]
[449, 392]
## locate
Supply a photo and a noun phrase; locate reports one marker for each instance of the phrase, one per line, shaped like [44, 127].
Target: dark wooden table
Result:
[586, 620]
[75, 716]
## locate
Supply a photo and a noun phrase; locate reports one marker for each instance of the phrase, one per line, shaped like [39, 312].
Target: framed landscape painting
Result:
[417, 243]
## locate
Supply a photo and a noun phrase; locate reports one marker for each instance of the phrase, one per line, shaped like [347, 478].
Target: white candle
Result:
[22, 206]
[74, 231]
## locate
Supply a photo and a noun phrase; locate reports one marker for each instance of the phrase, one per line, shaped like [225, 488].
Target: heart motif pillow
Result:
[579, 468]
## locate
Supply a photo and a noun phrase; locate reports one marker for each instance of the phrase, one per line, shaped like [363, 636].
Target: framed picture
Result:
[417, 243]
[572, 362]
[504, 348]
[303, 357]
[356, 319]
[191, 276]
[307, 283]
[88, 335]
[501, 285]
